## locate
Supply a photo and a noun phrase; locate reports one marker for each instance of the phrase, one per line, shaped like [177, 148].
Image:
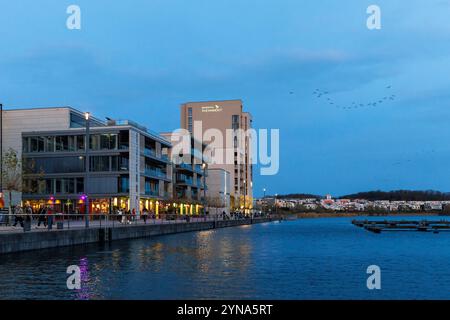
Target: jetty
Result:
[377, 226]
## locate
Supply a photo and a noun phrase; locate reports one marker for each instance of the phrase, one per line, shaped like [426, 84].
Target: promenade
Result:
[99, 222]
[74, 232]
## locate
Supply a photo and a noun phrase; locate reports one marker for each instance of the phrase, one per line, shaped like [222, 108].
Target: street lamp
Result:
[276, 207]
[87, 116]
[204, 188]
[1, 151]
[264, 201]
[245, 193]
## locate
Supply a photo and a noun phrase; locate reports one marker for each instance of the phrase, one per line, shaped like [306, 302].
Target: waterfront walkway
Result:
[74, 232]
[99, 222]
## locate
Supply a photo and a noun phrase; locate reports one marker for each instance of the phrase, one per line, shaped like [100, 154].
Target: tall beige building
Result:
[228, 117]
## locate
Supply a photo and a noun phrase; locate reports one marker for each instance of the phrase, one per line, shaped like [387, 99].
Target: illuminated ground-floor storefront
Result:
[98, 206]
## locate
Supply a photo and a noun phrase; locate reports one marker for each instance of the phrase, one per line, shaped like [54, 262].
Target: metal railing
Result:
[59, 221]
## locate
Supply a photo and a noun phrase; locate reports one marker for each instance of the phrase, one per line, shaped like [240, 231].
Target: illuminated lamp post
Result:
[1, 153]
[86, 178]
[204, 188]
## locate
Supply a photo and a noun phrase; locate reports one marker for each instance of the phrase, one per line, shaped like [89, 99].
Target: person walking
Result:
[49, 217]
[18, 213]
[41, 217]
[128, 218]
[144, 215]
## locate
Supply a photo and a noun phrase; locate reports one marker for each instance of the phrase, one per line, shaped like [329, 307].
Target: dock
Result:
[377, 226]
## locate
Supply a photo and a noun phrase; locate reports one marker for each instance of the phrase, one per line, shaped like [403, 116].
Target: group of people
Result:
[27, 214]
[129, 216]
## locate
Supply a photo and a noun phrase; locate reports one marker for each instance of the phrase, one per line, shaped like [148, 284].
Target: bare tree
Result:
[12, 174]
[215, 202]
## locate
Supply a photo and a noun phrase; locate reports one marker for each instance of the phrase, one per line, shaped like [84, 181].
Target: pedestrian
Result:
[28, 213]
[133, 215]
[144, 215]
[129, 217]
[49, 217]
[18, 213]
[41, 216]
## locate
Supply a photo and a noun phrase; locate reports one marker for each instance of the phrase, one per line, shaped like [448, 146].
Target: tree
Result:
[12, 174]
[215, 202]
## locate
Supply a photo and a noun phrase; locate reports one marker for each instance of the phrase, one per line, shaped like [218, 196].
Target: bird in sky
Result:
[318, 93]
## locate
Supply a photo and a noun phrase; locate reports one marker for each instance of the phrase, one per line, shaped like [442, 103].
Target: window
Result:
[77, 121]
[190, 120]
[80, 185]
[49, 144]
[99, 163]
[62, 143]
[80, 143]
[124, 184]
[123, 165]
[114, 163]
[235, 122]
[124, 140]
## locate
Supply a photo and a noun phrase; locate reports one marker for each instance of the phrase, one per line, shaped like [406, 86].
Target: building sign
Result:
[214, 108]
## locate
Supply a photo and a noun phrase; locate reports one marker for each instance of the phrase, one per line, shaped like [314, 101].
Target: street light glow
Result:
[87, 115]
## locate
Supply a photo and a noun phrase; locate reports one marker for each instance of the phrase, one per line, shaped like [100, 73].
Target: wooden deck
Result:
[377, 226]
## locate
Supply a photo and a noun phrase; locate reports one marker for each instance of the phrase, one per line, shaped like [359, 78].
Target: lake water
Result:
[303, 259]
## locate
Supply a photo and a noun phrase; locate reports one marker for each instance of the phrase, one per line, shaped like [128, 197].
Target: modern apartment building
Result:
[129, 165]
[229, 118]
[189, 173]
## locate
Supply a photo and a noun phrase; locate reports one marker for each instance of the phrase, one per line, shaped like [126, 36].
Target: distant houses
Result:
[350, 205]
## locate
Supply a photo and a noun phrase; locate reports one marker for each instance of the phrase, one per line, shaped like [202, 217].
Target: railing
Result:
[48, 222]
[185, 166]
[154, 193]
[155, 173]
[150, 152]
[184, 180]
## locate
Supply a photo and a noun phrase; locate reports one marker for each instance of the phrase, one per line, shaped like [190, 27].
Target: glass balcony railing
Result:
[185, 166]
[154, 193]
[185, 180]
[155, 173]
[150, 152]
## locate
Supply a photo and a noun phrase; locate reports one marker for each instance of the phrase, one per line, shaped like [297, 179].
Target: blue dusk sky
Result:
[140, 59]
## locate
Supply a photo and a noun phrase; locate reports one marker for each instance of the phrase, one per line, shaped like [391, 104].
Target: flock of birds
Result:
[320, 94]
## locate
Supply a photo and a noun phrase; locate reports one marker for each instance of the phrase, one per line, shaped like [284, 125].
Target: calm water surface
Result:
[303, 259]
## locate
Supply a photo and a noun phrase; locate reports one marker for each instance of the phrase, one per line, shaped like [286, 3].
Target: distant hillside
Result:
[298, 196]
[400, 195]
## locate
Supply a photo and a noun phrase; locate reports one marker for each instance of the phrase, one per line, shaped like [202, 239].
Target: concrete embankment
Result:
[16, 242]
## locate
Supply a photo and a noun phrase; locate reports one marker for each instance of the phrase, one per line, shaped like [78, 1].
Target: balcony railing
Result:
[155, 173]
[154, 193]
[150, 152]
[184, 180]
[185, 166]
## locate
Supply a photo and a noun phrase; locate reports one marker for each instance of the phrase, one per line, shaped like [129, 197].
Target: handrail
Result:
[9, 222]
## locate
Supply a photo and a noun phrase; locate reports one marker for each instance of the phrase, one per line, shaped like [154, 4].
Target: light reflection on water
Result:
[304, 259]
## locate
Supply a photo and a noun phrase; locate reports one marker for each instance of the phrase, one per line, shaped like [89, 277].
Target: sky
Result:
[141, 59]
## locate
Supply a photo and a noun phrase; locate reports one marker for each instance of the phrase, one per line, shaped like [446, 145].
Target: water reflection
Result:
[289, 260]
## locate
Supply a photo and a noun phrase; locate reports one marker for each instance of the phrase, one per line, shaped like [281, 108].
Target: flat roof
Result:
[205, 101]
[81, 113]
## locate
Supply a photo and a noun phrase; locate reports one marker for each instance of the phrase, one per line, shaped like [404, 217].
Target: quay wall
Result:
[34, 240]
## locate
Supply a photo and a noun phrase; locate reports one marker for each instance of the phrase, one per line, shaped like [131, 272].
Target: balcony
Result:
[185, 166]
[155, 173]
[150, 152]
[184, 180]
[152, 193]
